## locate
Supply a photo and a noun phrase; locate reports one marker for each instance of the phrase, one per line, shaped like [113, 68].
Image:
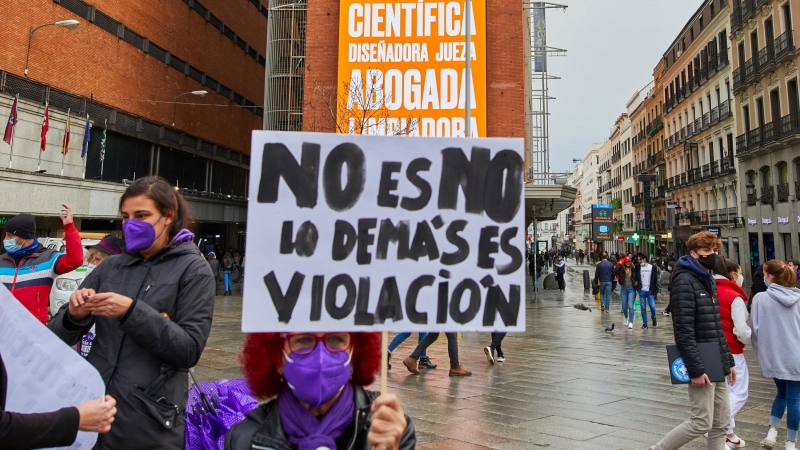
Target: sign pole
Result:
[11, 152]
[384, 360]
[467, 74]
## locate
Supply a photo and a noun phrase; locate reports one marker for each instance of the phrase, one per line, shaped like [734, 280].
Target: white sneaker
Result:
[769, 441]
[790, 445]
[734, 442]
[630, 325]
[489, 356]
[625, 323]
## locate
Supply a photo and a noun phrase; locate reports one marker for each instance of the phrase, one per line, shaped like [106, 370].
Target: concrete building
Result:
[588, 195]
[127, 66]
[698, 114]
[765, 79]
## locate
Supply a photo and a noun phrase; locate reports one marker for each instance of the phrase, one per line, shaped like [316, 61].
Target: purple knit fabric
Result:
[310, 433]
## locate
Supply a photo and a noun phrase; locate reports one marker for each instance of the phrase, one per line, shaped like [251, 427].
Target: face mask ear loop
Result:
[349, 357]
[289, 360]
[162, 230]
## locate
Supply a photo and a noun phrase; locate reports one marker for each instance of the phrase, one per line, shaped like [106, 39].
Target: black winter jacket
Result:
[695, 315]
[262, 428]
[655, 279]
[160, 337]
[25, 431]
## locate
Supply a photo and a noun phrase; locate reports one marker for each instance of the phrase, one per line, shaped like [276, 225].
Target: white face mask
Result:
[90, 268]
[740, 280]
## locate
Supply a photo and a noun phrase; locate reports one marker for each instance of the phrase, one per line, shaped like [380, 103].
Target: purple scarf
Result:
[183, 236]
[310, 433]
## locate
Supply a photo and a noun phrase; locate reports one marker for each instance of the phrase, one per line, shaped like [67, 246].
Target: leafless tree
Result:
[357, 108]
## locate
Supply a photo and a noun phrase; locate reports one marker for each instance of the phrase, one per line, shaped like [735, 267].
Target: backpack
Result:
[227, 264]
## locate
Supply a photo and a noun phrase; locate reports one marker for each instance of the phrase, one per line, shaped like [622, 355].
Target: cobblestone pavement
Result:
[565, 384]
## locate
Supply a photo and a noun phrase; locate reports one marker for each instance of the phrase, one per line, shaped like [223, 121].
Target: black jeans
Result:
[497, 339]
[560, 279]
[452, 347]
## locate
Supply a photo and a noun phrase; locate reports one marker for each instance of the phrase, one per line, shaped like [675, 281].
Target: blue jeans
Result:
[402, 337]
[647, 298]
[788, 398]
[605, 294]
[226, 274]
[628, 296]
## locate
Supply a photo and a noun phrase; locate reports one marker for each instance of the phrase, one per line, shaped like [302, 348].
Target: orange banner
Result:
[402, 68]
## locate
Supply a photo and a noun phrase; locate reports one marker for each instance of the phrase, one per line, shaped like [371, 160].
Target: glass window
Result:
[125, 157]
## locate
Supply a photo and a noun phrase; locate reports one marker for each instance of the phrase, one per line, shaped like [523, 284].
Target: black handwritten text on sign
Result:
[367, 233]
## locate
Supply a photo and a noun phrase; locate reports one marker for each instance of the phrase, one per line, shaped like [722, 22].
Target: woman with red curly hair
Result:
[316, 383]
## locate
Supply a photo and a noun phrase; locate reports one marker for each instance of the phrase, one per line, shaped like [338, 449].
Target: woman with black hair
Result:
[152, 306]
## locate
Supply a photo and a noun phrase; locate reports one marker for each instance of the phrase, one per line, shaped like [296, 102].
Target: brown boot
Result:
[412, 365]
[459, 372]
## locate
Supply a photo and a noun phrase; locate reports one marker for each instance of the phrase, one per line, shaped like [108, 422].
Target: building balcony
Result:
[786, 129]
[654, 126]
[784, 46]
[768, 194]
[766, 56]
[751, 199]
[725, 216]
[797, 190]
[736, 18]
[748, 8]
[696, 175]
[654, 160]
[783, 192]
[738, 78]
[751, 69]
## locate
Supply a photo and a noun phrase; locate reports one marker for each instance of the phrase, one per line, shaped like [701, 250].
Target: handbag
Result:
[151, 403]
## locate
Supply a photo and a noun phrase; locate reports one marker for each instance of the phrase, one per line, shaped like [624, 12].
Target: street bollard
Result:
[586, 281]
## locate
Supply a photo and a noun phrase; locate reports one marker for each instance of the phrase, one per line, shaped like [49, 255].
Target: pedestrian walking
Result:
[152, 307]
[733, 313]
[317, 385]
[456, 370]
[228, 266]
[213, 262]
[424, 361]
[758, 285]
[696, 320]
[560, 269]
[776, 338]
[604, 273]
[494, 347]
[627, 293]
[670, 268]
[51, 429]
[647, 280]
[27, 268]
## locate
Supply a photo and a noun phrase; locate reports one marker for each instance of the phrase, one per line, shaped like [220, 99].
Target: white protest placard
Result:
[44, 373]
[371, 233]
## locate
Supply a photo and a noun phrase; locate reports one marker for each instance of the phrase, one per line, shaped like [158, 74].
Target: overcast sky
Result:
[612, 47]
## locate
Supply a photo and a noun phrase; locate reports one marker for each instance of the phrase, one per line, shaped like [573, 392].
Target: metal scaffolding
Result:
[538, 110]
[285, 65]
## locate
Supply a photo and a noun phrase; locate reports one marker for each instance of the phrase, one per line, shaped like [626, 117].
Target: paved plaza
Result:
[565, 384]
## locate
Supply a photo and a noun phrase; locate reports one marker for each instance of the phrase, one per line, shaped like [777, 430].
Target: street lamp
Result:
[764, 199]
[201, 93]
[69, 24]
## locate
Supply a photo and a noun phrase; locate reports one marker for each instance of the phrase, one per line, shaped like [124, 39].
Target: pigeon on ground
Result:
[610, 328]
[582, 307]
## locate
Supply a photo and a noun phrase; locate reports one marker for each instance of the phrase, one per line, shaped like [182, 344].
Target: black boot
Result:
[425, 363]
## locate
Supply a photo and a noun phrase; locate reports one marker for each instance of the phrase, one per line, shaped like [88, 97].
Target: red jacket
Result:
[727, 291]
[31, 278]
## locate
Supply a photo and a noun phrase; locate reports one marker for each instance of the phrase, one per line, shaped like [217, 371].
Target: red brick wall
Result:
[505, 75]
[89, 61]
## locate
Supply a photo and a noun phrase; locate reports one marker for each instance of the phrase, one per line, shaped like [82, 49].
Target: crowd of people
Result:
[147, 304]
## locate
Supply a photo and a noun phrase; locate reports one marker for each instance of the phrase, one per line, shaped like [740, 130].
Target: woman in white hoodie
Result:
[776, 338]
[560, 269]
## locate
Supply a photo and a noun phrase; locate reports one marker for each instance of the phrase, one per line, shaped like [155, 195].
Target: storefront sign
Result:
[766, 221]
[406, 61]
[602, 222]
[715, 230]
[368, 233]
[752, 222]
[671, 204]
[783, 220]
[620, 238]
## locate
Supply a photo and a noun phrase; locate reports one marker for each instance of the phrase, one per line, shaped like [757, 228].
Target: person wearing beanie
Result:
[28, 269]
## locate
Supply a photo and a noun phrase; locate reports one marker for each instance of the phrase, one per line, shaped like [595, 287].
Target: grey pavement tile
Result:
[565, 384]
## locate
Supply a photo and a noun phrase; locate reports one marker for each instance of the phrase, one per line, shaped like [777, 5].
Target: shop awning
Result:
[548, 200]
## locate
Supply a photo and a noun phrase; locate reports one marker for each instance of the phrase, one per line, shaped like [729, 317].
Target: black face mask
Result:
[708, 261]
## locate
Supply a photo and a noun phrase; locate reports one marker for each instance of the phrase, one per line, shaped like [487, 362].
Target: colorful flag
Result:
[45, 126]
[12, 120]
[65, 142]
[103, 142]
[86, 138]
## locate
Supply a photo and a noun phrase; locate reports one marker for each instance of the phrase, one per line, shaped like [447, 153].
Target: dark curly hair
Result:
[262, 355]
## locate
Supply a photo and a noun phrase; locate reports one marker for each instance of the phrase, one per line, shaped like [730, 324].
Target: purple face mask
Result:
[139, 235]
[317, 377]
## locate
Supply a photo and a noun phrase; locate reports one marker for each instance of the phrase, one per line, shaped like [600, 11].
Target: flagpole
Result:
[11, 152]
[64, 144]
